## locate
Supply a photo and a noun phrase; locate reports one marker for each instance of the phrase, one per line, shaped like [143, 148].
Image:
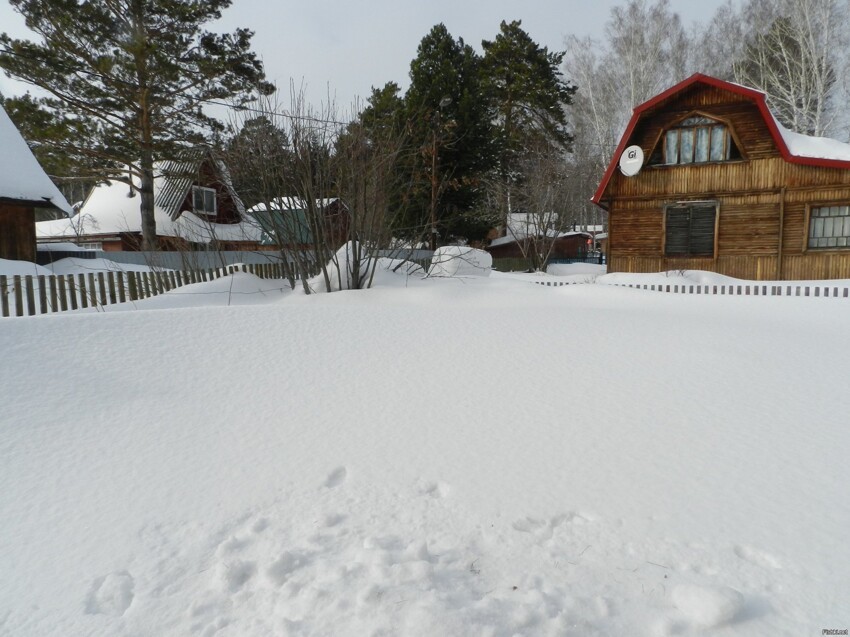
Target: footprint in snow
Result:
[435, 489]
[234, 575]
[111, 594]
[336, 477]
[757, 557]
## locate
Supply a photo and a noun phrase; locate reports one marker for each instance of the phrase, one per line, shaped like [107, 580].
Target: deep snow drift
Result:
[430, 457]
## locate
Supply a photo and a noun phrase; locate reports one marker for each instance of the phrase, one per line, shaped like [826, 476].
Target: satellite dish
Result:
[631, 161]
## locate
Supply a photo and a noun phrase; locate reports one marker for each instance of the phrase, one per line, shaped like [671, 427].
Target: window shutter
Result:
[678, 226]
[702, 231]
[690, 231]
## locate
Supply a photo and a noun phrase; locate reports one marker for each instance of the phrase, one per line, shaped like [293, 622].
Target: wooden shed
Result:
[25, 191]
[724, 187]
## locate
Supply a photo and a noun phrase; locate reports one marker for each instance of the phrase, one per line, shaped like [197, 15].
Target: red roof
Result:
[758, 97]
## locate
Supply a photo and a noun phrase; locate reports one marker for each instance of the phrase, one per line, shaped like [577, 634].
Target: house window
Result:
[829, 227]
[203, 200]
[698, 140]
[689, 230]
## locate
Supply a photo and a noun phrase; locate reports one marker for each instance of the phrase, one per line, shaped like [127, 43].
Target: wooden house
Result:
[195, 206]
[286, 222]
[565, 245]
[722, 186]
[26, 192]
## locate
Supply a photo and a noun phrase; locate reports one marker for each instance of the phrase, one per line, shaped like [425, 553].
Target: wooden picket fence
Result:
[784, 289]
[42, 294]
[753, 289]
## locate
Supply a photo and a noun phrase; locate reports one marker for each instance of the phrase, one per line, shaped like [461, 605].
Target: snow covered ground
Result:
[429, 457]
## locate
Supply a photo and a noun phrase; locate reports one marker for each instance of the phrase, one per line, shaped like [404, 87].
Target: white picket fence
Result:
[42, 294]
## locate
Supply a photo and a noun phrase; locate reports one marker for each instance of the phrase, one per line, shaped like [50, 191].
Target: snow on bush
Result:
[460, 261]
[371, 270]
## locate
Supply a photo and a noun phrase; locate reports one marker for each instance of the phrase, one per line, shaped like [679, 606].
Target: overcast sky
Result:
[343, 48]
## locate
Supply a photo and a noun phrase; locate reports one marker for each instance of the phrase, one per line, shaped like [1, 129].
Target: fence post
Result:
[111, 280]
[42, 294]
[63, 298]
[134, 293]
[30, 297]
[101, 286]
[151, 283]
[122, 296]
[54, 298]
[84, 302]
[4, 294]
[92, 290]
[72, 288]
[19, 296]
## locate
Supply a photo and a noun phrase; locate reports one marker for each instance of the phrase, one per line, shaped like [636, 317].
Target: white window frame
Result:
[204, 191]
[828, 227]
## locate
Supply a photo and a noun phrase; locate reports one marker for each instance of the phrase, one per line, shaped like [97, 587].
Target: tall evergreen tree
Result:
[528, 95]
[138, 72]
[259, 156]
[450, 124]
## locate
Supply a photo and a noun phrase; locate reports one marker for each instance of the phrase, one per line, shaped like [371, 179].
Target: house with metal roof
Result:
[706, 178]
[195, 206]
[25, 193]
[291, 222]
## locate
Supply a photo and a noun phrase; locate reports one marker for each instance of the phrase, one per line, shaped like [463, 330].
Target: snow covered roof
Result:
[291, 203]
[115, 207]
[21, 176]
[814, 147]
[793, 147]
[510, 238]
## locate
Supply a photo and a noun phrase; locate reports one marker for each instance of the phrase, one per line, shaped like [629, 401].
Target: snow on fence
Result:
[33, 295]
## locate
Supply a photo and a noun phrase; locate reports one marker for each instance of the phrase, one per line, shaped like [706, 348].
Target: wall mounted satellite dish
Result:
[631, 161]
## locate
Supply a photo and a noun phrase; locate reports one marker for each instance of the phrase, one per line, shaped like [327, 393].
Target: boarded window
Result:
[203, 200]
[829, 227]
[689, 230]
[698, 140]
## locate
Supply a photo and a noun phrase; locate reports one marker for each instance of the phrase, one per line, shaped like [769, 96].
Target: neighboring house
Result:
[26, 193]
[566, 245]
[525, 230]
[195, 206]
[724, 187]
[285, 222]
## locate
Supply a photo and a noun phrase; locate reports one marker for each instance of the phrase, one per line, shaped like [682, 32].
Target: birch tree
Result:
[796, 52]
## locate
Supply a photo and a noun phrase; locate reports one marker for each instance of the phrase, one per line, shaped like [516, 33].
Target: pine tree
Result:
[137, 73]
[450, 125]
[259, 157]
[523, 83]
